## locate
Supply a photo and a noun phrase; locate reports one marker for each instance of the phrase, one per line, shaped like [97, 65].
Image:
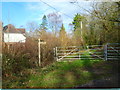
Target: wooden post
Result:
[79, 54]
[87, 47]
[39, 62]
[81, 27]
[56, 53]
[39, 51]
[105, 52]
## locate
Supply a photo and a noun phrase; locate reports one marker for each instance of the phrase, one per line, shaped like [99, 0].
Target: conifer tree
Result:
[44, 24]
[77, 33]
[63, 36]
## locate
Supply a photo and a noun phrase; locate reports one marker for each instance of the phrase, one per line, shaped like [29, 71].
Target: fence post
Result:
[56, 53]
[39, 52]
[79, 54]
[105, 52]
[87, 47]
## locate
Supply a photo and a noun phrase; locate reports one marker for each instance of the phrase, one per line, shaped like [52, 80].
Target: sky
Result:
[21, 13]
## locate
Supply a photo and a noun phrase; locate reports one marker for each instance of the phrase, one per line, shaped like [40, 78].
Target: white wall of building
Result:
[14, 37]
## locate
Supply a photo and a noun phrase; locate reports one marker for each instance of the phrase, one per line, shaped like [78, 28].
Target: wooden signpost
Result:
[39, 51]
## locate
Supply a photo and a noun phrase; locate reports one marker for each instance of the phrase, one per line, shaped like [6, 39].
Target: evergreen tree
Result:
[77, 21]
[44, 23]
[62, 31]
[63, 36]
[77, 33]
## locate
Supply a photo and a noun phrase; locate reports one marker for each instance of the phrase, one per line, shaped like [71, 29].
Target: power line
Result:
[77, 3]
[56, 9]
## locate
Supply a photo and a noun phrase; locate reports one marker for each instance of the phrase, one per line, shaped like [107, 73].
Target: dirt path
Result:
[112, 81]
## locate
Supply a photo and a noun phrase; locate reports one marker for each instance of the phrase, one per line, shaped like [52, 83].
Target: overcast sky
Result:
[20, 13]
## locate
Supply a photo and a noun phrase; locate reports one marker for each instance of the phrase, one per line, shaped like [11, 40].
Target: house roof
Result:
[22, 30]
[11, 29]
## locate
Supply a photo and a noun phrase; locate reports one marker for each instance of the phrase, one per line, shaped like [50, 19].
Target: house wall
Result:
[14, 37]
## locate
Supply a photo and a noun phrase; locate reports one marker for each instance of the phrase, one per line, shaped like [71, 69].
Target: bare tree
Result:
[55, 22]
[32, 28]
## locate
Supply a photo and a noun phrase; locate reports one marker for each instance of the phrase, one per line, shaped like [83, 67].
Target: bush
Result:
[15, 60]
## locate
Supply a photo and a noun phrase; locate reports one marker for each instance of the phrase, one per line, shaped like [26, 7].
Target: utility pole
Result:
[81, 27]
[8, 29]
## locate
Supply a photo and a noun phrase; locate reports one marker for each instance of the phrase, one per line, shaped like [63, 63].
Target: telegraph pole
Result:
[81, 27]
[8, 29]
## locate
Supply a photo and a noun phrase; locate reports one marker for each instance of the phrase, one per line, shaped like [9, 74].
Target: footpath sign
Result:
[39, 51]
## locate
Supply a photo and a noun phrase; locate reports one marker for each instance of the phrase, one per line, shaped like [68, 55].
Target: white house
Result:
[13, 35]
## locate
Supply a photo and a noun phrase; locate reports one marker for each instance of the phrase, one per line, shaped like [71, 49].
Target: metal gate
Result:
[113, 51]
[91, 52]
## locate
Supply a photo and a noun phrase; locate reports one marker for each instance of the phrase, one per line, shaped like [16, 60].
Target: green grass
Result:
[61, 75]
